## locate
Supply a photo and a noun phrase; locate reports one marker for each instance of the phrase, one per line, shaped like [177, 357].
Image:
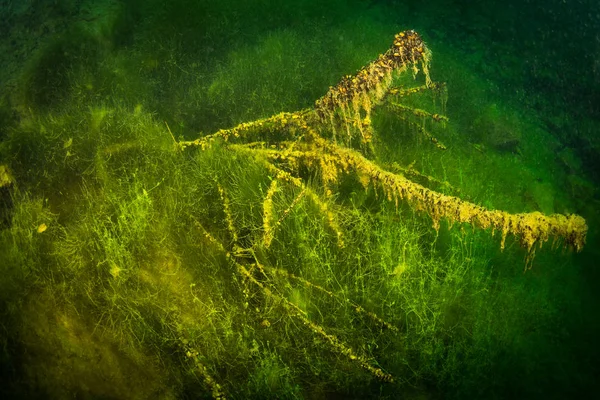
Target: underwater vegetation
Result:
[287, 254]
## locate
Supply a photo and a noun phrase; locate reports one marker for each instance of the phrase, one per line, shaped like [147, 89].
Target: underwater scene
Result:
[260, 199]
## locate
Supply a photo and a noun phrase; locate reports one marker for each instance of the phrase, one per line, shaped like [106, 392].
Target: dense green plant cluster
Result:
[119, 264]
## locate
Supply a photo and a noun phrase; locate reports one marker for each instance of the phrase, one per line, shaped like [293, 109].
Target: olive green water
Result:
[118, 274]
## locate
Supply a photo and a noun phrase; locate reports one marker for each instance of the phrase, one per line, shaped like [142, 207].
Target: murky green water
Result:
[286, 253]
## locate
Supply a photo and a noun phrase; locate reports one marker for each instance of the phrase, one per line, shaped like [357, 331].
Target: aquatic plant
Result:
[235, 264]
[333, 140]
